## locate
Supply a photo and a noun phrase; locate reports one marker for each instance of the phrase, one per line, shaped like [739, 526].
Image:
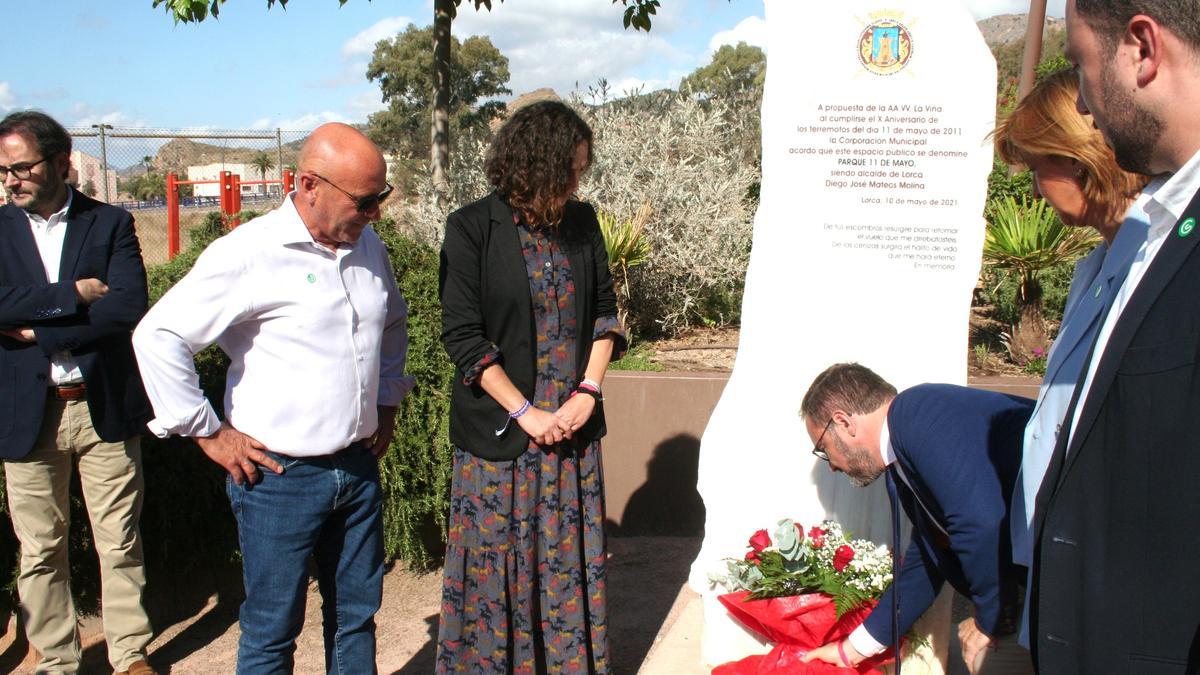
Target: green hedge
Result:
[186, 521]
[416, 470]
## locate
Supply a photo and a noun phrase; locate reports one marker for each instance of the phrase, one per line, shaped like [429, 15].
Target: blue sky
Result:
[125, 64]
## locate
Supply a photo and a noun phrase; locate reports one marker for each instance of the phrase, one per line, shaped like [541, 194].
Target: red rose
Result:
[817, 535]
[752, 557]
[842, 557]
[760, 540]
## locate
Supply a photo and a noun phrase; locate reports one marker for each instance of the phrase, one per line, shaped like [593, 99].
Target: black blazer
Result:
[1117, 551]
[484, 289]
[100, 243]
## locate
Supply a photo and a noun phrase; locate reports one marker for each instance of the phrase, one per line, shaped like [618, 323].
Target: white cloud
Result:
[306, 122]
[84, 115]
[7, 98]
[752, 30]
[363, 44]
[568, 44]
[357, 51]
[982, 9]
[364, 103]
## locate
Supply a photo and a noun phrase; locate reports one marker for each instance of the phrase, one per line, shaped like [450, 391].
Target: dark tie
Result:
[891, 488]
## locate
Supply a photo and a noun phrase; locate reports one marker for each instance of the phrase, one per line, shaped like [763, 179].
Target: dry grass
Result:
[151, 227]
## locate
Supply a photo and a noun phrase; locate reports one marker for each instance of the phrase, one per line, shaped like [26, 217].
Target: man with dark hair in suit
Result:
[951, 456]
[72, 287]
[1114, 567]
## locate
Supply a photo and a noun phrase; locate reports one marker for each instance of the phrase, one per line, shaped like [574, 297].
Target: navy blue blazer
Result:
[1116, 551]
[100, 243]
[959, 450]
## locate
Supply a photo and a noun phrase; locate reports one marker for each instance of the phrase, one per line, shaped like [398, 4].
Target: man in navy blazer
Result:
[951, 456]
[72, 287]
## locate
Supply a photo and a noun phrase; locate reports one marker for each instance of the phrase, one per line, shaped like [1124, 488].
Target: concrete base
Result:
[676, 649]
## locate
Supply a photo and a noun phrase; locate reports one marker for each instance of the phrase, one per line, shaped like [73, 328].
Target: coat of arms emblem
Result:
[885, 47]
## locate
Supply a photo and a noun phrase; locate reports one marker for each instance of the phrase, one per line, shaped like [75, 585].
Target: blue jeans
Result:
[328, 507]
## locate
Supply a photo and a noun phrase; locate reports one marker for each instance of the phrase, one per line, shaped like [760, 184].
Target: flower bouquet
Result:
[803, 590]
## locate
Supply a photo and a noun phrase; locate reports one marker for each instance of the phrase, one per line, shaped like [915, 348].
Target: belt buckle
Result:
[69, 392]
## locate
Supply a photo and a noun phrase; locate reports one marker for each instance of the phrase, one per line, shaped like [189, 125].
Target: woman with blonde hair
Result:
[1077, 173]
[1073, 168]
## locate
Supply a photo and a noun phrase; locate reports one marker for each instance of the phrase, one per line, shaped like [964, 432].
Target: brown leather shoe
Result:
[139, 667]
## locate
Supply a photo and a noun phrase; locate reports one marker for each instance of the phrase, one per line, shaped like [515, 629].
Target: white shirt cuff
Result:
[392, 390]
[863, 643]
[204, 422]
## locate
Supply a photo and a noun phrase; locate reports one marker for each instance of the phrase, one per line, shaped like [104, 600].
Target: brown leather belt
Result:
[68, 392]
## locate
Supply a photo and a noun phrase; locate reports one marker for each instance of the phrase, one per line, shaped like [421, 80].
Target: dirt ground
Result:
[701, 349]
[714, 350]
[198, 631]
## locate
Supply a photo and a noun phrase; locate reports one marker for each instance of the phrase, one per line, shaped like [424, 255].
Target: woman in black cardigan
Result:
[529, 319]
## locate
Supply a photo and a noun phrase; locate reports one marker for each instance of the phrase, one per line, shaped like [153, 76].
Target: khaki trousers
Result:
[38, 500]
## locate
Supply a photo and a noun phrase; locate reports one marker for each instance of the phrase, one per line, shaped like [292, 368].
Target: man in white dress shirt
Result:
[1114, 584]
[304, 302]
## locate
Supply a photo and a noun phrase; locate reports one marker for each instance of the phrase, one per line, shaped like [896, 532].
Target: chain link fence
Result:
[128, 168]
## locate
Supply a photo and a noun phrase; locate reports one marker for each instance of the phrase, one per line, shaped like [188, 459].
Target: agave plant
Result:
[627, 248]
[1026, 238]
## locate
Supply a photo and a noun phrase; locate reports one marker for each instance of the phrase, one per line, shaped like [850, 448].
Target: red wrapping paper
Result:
[796, 624]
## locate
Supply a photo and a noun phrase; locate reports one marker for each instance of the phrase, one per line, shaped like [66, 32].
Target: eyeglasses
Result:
[22, 171]
[821, 454]
[363, 204]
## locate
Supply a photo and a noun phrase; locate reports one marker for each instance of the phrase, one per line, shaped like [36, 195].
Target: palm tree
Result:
[1027, 239]
[147, 163]
[149, 187]
[264, 163]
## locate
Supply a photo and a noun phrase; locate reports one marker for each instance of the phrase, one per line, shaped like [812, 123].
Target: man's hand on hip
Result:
[237, 453]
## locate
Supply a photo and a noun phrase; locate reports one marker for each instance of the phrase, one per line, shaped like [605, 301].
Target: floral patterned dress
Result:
[524, 585]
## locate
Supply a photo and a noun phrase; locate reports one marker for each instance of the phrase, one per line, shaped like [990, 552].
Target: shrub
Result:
[998, 295]
[1002, 184]
[627, 247]
[1025, 239]
[694, 162]
[416, 470]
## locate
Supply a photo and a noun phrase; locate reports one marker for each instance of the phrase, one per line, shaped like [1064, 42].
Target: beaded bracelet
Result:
[520, 411]
[512, 416]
